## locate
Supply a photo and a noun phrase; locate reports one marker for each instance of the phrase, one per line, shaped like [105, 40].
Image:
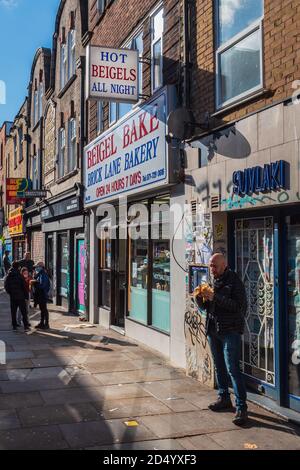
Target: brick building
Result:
[39, 82]
[16, 158]
[243, 161]
[61, 213]
[133, 284]
[4, 134]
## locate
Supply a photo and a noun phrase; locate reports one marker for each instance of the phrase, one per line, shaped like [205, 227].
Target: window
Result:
[105, 273]
[72, 145]
[239, 49]
[61, 152]
[36, 107]
[63, 65]
[137, 44]
[101, 6]
[15, 152]
[41, 94]
[112, 113]
[1, 156]
[100, 117]
[157, 28]
[20, 135]
[71, 53]
[35, 172]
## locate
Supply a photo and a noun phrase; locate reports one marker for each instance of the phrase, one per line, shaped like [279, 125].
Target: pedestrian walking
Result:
[27, 279]
[28, 263]
[41, 286]
[226, 305]
[14, 285]
[6, 262]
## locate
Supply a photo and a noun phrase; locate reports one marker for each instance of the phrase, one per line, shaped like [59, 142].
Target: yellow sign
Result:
[15, 222]
[131, 424]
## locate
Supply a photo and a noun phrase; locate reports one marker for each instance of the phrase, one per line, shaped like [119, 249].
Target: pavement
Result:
[81, 387]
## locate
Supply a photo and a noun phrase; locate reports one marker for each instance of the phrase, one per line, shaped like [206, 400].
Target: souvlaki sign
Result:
[112, 74]
[130, 157]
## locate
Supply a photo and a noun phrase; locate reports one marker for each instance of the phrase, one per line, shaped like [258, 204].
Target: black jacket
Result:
[15, 286]
[29, 264]
[226, 313]
[6, 263]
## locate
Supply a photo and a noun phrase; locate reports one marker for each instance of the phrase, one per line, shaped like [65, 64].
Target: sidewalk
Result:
[77, 387]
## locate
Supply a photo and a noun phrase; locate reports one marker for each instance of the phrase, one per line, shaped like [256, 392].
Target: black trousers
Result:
[44, 313]
[14, 305]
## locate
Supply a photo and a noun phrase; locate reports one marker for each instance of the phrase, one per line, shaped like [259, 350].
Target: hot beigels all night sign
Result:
[131, 156]
[112, 74]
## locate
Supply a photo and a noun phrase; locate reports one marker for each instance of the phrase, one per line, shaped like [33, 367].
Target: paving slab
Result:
[35, 385]
[40, 438]
[20, 400]
[156, 373]
[53, 361]
[202, 442]
[17, 364]
[8, 420]
[20, 355]
[131, 407]
[103, 432]
[58, 414]
[162, 444]
[172, 388]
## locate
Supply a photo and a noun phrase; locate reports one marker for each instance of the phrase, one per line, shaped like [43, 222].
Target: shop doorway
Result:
[119, 283]
[63, 270]
[266, 251]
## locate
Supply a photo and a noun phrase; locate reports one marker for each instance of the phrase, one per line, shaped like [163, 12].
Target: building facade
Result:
[245, 172]
[133, 283]
[4, 134]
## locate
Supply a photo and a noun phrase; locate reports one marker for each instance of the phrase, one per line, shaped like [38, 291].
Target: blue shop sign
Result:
[257, 179]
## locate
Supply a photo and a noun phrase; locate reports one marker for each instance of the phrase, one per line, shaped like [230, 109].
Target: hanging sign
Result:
[15, 222]
[15, 189]
[112, 74]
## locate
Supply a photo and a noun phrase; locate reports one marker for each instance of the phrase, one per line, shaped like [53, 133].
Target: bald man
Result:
[226, 307]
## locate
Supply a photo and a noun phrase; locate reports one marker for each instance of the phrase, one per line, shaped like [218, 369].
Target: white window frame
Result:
[101, 5]
[40, 98]
[72, 154]
[61, 152]
[63, 65]
[154, 41]
[111, 122]
[35, 107]
[139, 32]
[100, 117]
[257, 25]
[15, 151]
[71, 53]
[35, 172]
[20, 138]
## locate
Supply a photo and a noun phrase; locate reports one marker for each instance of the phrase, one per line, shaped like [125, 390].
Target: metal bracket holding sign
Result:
[112, 74]
[35, 194]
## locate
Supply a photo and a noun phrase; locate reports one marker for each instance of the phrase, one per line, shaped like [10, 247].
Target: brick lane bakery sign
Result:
[112, 74]
[271, 177]
[129, 157]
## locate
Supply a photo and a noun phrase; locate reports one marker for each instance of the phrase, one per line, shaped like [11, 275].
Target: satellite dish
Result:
[181, 124]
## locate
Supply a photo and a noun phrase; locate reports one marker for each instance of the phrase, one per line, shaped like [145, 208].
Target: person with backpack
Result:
[41, 286]
[226, 305]
[14, 285]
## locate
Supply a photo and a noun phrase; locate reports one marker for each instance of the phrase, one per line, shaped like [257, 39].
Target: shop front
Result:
[16, 232]
[63, 227]
[254, 200]
[131, 261]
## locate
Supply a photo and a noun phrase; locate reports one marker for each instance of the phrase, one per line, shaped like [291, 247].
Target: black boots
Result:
[221, 404]
[240, 418]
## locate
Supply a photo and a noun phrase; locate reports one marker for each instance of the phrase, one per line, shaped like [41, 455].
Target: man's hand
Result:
[209, 296]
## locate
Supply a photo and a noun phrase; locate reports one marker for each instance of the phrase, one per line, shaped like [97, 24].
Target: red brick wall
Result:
[281, 52]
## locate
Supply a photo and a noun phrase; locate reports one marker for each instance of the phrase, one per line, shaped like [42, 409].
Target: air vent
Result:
[215, 202]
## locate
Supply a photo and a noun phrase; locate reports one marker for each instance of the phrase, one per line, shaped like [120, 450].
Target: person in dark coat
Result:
[41, 286]
[6, 262]
[14, 285]
[28, 263]
[226, 306]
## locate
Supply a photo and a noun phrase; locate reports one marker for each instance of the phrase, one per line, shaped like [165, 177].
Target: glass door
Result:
[254, 253]
[293, 309]
[64, 269]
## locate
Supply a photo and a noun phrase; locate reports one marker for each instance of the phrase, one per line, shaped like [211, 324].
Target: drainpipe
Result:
[186, 53]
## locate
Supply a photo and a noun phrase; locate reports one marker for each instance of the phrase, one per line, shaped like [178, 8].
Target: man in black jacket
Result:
[14, 285]
[226, 307]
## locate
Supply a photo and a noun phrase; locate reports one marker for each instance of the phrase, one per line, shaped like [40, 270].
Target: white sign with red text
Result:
[112, 74]
[130, 157]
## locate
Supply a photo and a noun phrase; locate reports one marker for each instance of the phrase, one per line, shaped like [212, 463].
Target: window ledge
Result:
[67, 86]
[241, 101]
[67, 176]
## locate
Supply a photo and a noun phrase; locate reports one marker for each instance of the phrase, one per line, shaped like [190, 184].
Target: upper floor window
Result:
[100, 117]
[35, 173]
[72, 145]
[35, 107]
[137, 44]
[61, 152]
[63, 65]
[239, 49]
[1, 156]
[15, 152]
[71, 53]
[20, 136]
[41, 94]
[101, 4]
[157, 29]
[113, 113]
